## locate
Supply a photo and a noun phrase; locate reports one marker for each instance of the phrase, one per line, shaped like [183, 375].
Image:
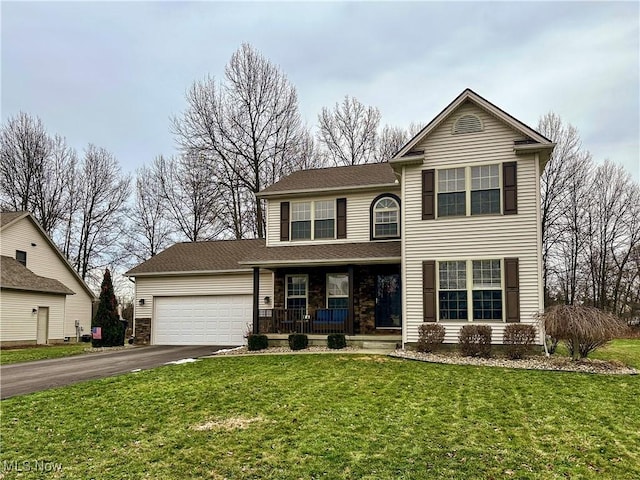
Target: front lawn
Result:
[42, 352]
[330, 416]
[625, 350]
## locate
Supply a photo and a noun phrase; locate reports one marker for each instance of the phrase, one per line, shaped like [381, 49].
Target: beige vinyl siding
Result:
[44, 261]
[18, 323]
[471, 237]
[358, 220]
[192, 285]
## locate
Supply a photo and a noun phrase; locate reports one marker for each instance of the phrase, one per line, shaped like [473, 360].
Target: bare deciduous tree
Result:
[97, 223]
[150, 230]
[250, 124]
[390, 140]
[348, 132]
[190, 196]
[33, 169]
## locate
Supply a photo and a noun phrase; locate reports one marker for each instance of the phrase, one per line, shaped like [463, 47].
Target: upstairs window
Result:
[386, 213]
[21, 257]
[324, 223]
[452, 192]
[301, 221]
[485, 190]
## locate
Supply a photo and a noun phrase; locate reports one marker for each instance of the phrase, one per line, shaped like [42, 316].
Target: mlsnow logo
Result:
[40, 466]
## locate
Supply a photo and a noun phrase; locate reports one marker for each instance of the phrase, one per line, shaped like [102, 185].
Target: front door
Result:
[42, 330]
[388, 301]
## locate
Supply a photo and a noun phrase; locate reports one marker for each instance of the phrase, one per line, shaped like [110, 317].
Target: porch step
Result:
[386, 345]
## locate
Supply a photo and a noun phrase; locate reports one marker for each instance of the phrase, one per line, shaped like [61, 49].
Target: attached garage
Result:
[202, 320]
[198, 294]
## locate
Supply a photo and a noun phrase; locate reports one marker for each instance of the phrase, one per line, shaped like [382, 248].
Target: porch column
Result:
[256, 300]
[351, 301]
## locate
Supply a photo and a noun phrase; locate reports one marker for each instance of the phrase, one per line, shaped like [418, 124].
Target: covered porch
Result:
[354, 289]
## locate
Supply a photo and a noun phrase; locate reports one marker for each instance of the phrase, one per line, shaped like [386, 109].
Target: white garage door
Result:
[210, 320]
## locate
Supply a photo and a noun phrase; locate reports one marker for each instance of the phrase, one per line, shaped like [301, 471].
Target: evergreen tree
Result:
[107, 316]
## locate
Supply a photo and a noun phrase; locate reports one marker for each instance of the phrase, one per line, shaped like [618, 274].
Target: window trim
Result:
[312, 204]
[286, 290]
[372, 222]
[470, 289]
[468, 190]
[345, 274]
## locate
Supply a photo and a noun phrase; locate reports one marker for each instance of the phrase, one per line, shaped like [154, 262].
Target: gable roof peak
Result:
[469, 95]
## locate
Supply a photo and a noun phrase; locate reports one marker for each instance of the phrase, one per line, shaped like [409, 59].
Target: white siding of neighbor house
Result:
[358, 222]
[19, 323]
[477, 237]
[192, 285]
[44, 261]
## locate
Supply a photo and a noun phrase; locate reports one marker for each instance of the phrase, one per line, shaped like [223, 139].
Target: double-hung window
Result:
[484, 289]
[301, 220]
[478, 187]
[337, 290]
[324, 219]
[297, 292]
[452, 194]
[313, 220]
[453, 290]
[485, 190]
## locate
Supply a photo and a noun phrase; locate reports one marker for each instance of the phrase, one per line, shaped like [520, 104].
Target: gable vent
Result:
[467, 124]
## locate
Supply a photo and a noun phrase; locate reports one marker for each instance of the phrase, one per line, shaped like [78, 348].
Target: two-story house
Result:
[447, 231]
[42, 298]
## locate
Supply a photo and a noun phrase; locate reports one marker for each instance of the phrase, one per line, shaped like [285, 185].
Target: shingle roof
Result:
[220, 255]
[353, 176]
[15, 276]
[325, 254]
[8, 217]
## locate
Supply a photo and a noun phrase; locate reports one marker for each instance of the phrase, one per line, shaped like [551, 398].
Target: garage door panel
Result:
[202, 320]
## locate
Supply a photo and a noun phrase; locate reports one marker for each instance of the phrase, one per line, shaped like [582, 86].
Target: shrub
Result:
[581, 329]
[298, 341]
[257, 342]
[518, 339]
[336, 341]
[430, 337]
[475, 340]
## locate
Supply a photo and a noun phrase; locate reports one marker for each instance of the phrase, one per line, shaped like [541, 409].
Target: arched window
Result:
[385, 217]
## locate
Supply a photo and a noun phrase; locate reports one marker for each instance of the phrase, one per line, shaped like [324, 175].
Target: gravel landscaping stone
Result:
[564, 364]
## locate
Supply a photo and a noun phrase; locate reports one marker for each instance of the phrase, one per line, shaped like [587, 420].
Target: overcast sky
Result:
[113, 73]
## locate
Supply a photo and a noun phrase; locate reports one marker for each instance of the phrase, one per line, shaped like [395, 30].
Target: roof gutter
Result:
[322, 262]
[408, 160]
[187, 273]
[307, 191]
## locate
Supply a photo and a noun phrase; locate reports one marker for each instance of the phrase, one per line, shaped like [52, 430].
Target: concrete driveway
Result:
[21, 378]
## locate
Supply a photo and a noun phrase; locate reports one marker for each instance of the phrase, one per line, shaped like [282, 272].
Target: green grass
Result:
[29, 354]
[331, 416]
[626, 351]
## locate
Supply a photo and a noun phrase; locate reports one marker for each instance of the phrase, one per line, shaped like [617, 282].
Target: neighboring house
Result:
[42, 298]
[447, 231]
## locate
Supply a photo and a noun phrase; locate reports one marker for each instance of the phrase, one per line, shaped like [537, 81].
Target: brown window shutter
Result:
[429, 290]
[510, 188]
[428, 194]
[512, 289]
[284, 221]
[341, 228]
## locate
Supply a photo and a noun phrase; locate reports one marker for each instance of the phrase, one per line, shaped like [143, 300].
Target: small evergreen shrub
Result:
[336, 341]
[298, 341]
[518, 340]
[475, 340]
[430, 337]
[257, 342]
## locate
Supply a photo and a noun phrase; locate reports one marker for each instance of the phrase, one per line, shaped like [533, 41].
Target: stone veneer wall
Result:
[143, 331]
